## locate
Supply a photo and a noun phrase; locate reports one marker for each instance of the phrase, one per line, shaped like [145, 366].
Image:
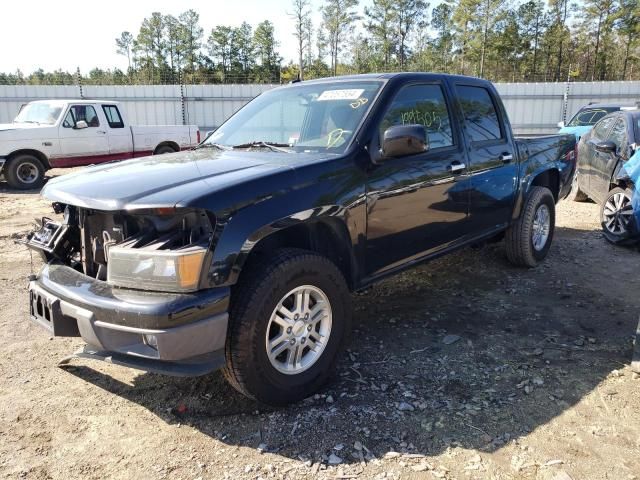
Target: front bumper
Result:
[175, 334]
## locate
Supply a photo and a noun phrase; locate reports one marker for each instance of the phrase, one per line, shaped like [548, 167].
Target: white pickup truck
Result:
[68, 133]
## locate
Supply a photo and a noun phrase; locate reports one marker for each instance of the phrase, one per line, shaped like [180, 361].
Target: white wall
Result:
[534, 108]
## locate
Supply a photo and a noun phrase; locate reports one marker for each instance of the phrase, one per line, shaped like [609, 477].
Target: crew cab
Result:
[69, 133]
[242, 253]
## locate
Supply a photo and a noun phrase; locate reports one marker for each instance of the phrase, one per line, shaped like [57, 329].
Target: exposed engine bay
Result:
[86, 240]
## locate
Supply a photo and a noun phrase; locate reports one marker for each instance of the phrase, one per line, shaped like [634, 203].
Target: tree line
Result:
[502, 40]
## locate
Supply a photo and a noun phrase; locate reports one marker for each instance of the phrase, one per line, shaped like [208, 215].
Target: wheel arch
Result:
[321, 230]
[548, 177]
[29, 151]
[168, 143]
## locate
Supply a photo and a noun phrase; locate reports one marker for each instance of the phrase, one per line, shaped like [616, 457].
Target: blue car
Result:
[588, 116]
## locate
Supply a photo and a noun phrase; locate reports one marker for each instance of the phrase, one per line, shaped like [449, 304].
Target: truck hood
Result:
[20, 126]
[166, 180]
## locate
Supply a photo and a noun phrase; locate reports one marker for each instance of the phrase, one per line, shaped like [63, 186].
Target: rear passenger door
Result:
[492, 157]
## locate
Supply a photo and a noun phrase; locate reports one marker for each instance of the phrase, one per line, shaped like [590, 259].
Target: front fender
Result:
[246, 229]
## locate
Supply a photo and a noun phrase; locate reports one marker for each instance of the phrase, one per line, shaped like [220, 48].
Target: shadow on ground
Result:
[465, 351]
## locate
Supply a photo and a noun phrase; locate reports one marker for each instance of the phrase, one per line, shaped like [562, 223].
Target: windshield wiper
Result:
[276, 147]
[213, 145]
[27, 121]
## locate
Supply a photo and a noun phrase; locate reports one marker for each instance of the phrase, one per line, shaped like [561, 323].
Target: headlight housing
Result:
[158, 270]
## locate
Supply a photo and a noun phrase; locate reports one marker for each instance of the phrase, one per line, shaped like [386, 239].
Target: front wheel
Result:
[617, 217]
[24, 172]
[529, 238]
[290, 315]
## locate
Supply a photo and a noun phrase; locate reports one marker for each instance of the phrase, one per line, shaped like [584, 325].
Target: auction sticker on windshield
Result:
[346, 94]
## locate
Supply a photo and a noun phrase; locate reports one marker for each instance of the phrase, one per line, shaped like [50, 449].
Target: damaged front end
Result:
[134, 285]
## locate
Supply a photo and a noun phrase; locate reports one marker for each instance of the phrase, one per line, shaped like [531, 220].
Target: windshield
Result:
[590, 116]
[41, 113]
[318, 117]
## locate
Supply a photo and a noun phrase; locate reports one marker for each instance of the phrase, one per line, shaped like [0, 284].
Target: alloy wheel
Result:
[298, 330]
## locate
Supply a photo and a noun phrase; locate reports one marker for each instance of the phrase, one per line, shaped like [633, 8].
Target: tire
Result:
[164, 149]
[262, 288]
[577, 195]
[526, 244]
[24, 172]
[617, 219]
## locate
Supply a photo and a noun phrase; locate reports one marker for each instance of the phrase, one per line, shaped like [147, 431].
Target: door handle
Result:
[506, 157]
[101, 131]
[456, 167]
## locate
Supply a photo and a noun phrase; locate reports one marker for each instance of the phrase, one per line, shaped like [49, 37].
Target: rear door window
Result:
[113, 116]
[480, 114]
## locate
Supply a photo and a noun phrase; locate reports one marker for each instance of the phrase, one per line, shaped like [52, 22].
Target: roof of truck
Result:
[387, 75]
[81, 101]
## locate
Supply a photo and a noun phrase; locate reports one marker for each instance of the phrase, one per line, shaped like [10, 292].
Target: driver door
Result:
[81, 145]
[594, 159]
[605, 163]
[417, 204]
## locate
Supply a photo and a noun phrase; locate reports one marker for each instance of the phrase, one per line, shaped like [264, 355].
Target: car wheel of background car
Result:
[24, 172]
[290, 315]
[616, 216]
[577, 195]
[529, 238]
[164, 149]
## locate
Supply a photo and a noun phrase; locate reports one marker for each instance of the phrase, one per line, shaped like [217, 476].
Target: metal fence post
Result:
[182, 103]
[79, 80]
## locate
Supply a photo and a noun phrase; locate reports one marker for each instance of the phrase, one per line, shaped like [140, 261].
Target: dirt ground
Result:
[464, 368]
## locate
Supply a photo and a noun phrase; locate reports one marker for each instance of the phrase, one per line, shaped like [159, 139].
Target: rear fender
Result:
[528, 180]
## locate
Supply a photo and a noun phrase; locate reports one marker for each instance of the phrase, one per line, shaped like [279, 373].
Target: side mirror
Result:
[81, 124]
[606, 147]
[560, 124]
[404, 140]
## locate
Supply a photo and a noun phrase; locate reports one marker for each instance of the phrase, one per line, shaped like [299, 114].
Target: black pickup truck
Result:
[242, 253]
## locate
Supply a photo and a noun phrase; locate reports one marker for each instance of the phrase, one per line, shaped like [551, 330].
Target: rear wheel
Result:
[617, 217]
[577, 195]
[290, 315]
[164, 149]
[24, 172]
[529, 238]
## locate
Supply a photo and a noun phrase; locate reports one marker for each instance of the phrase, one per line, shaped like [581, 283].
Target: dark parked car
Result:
[242, 253]
[602, 153]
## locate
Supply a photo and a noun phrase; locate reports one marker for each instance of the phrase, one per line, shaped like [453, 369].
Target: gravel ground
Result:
[462, 368]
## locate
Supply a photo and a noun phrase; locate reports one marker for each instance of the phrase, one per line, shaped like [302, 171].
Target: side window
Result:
[424, 105]
[602, 127]
[618, 134]
[81, 112]
[113, 116]
[480, 113]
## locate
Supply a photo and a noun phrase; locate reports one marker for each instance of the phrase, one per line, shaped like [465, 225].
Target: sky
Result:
[66, 34]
